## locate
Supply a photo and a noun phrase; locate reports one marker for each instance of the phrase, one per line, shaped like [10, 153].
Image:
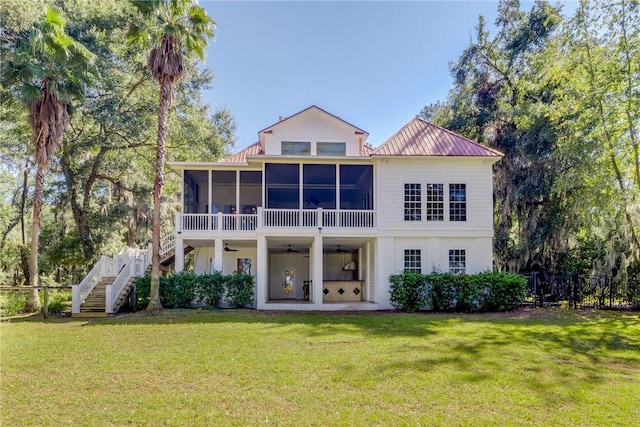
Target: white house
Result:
[322, 219]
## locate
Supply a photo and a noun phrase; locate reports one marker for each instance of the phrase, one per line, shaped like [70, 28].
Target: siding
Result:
[393, 173]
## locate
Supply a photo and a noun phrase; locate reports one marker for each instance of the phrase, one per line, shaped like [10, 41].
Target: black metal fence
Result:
[580, 291]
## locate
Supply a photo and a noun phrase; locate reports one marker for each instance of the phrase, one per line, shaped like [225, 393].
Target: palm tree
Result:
[175, 30]
[48, 71]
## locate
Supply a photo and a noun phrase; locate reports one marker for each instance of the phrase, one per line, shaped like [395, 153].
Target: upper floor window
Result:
[412, 261]
[295, 148]
[457, 261]
[331, 149]
[412, 202]
[435, 202]
[457, 202]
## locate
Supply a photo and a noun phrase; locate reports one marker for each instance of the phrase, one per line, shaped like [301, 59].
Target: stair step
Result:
[91, 314]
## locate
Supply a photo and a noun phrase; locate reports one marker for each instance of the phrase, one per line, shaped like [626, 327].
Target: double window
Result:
[412, 202]
[435, 202]
[457, 261]
[412, 261]
[457, 202]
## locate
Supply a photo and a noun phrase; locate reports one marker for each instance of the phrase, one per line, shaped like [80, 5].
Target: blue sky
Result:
[374, 64]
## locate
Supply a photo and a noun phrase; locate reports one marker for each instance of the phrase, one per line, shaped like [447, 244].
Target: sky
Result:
[375, 64]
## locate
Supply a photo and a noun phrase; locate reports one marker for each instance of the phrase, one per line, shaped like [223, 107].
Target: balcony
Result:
[277, 218]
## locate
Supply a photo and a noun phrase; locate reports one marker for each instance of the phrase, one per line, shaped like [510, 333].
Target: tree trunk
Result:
[33, 301]
[163, 109]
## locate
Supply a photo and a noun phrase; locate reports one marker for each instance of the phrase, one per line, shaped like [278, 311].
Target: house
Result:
[322, 219]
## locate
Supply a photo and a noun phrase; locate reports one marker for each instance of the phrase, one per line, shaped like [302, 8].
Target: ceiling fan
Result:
[289, 250]
[228, 249]
[340, 250]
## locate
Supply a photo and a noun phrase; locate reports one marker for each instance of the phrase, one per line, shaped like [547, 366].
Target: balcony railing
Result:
[277, 218]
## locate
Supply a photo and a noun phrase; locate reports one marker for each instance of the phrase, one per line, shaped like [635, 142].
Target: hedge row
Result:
[465, 293]
[186, 289]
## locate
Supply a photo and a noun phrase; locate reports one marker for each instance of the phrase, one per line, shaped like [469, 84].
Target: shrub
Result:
[182, 289]
[239, 290]
[210, 288]
[447, 292]
[59, 301]
[505, 292]
[408, 291]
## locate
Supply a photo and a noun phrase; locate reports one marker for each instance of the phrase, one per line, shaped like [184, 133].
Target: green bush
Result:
[408, 291]
[239, 290]
[182, 290]
[447, 292]
[59, 301]
[211, 288]
[505, 292]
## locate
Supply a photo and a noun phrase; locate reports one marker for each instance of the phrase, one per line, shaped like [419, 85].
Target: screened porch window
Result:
[250, 191]
[223, 192]
[356, 187]
[319, 186]
[282, 182]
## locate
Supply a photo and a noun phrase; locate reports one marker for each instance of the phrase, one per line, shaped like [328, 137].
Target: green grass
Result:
[250, 368]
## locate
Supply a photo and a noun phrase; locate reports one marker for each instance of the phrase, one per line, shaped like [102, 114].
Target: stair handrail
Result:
[167, 244]
[81, 291]
[114, 290]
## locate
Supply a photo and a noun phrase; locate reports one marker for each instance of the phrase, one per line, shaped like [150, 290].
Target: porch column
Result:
[317, 270]
[262, 281]
[217, 255]
[179, 252]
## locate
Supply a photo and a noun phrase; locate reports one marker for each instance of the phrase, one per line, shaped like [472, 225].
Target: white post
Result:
[178, 224]
[217, 255]
[108, 299]
[259, 223]
[317, 285]
[262, 282]
[75, 299]
[179, 253]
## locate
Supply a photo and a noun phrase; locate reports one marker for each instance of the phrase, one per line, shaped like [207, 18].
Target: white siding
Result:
[393, 173]
[313, 126]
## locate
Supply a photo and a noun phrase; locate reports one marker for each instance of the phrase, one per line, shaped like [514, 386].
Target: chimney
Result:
[279, 118]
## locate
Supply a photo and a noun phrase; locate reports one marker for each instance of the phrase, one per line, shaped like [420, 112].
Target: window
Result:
[412, 202]
[282, 183]
[223, 192]
[295, 148]
[457, 261]
[435, 202]
[412, 261]
[457, 202]
[319, 186]
[331, 149]
[356, 187]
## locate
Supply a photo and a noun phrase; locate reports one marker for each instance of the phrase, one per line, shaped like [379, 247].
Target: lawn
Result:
[250, 368]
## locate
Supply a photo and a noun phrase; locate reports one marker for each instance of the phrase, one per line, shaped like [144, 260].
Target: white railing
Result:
[167, 244]
[123, 266]
[271, 218]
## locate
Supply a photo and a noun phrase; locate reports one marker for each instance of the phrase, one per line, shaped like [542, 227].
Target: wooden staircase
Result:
[94, 305]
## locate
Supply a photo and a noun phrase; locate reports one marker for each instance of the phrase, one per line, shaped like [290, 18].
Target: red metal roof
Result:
[241, 156]
[421, 138]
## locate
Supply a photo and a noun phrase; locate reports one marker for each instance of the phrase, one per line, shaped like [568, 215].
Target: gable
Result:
[313, 126]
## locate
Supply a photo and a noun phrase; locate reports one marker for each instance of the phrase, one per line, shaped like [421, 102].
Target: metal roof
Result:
[241, 156]
[421, 138]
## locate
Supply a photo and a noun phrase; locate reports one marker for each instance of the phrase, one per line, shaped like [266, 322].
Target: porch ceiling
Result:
[281, 243]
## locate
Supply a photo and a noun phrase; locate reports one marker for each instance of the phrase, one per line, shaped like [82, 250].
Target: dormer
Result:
[313, 132]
